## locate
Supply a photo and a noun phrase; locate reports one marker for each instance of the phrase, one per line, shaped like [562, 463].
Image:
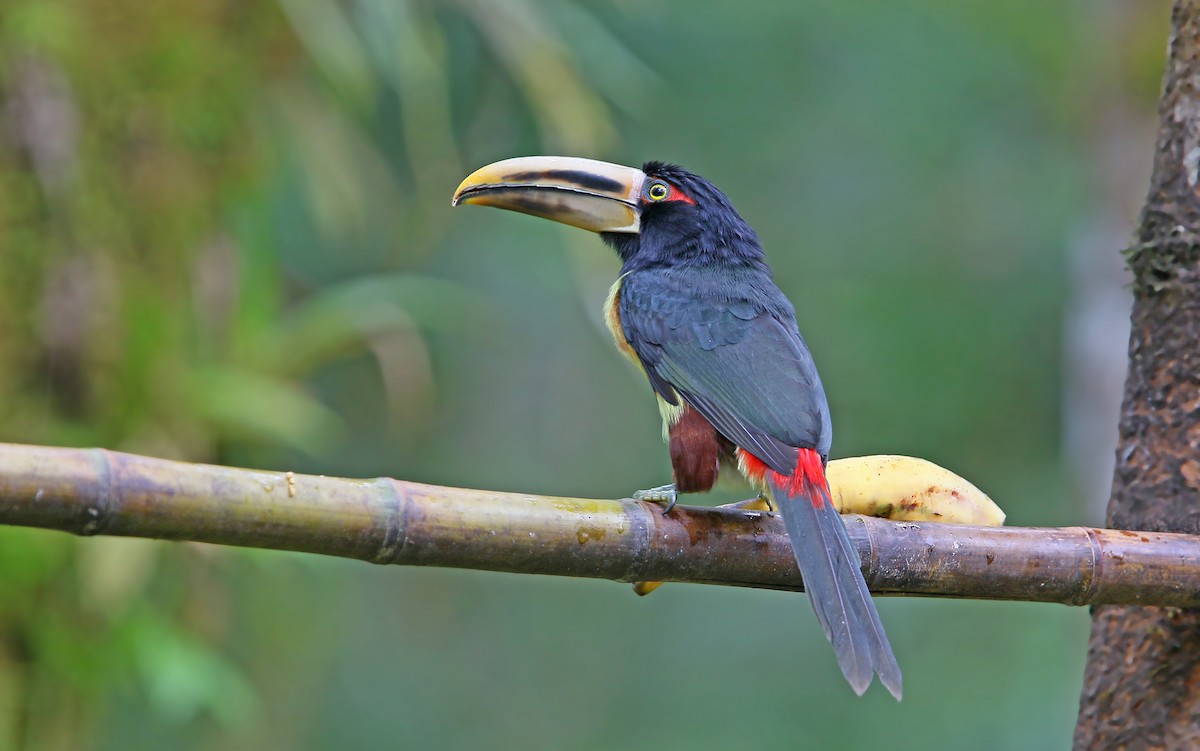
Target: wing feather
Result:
[738, 361]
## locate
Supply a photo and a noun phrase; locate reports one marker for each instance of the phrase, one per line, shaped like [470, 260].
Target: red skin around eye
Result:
[678, 195]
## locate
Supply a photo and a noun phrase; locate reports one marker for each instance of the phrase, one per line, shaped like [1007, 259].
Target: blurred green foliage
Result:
[225, 236]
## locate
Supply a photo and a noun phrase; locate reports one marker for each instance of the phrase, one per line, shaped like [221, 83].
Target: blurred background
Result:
[225, 236]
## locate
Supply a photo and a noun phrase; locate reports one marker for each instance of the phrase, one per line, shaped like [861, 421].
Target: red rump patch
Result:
[809, 475]
[755, 469]
[808, 478]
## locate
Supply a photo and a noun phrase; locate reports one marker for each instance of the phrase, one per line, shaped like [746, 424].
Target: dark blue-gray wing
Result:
[737, 360]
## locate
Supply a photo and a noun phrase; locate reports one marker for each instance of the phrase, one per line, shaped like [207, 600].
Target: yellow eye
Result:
[657, 191]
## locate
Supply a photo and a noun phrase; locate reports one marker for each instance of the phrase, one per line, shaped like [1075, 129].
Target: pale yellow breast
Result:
[612, 317]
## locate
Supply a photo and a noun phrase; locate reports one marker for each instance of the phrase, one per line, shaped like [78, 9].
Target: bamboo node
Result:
[98, 511]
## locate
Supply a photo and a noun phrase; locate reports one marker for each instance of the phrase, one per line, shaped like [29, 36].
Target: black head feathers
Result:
[704, 230]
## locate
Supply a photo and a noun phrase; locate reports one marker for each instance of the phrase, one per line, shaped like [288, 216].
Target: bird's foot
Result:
[662, 494]
[760, 503]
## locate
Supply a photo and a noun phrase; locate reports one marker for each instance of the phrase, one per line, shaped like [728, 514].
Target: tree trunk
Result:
[1141, 686]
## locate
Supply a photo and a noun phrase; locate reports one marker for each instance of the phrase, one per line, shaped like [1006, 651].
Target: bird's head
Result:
[659, 215]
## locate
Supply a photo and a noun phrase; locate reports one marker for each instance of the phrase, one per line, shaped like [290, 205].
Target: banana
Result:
[901, 488]
[905, 488]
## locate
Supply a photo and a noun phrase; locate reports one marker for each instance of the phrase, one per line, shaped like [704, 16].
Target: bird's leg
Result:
[759, 503]
[752, 505]
[662, 494]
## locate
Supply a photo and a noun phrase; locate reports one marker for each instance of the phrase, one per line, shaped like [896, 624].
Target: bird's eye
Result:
[657, 191]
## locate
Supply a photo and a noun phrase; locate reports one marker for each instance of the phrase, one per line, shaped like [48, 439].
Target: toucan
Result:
[696, 309]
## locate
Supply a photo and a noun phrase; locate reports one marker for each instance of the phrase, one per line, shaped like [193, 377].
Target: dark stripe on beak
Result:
[585, 180]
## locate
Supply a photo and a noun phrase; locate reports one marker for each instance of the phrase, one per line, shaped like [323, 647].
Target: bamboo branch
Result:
[94, 491]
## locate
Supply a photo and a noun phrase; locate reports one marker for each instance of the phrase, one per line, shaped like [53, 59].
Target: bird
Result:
[696, 309]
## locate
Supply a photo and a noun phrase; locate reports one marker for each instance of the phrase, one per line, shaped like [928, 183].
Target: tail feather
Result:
[833, 578]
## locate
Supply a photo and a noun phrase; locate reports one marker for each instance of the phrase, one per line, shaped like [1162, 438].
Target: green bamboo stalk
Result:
[94, 491]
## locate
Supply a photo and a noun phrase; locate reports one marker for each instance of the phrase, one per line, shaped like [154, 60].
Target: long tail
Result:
[832, 575]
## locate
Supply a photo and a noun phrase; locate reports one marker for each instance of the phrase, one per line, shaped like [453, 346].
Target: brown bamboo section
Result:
[93, 491]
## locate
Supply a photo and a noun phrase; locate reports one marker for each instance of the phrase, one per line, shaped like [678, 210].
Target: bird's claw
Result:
[662, 494]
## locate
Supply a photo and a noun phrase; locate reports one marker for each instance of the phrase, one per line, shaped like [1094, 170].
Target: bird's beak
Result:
[584, 193]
